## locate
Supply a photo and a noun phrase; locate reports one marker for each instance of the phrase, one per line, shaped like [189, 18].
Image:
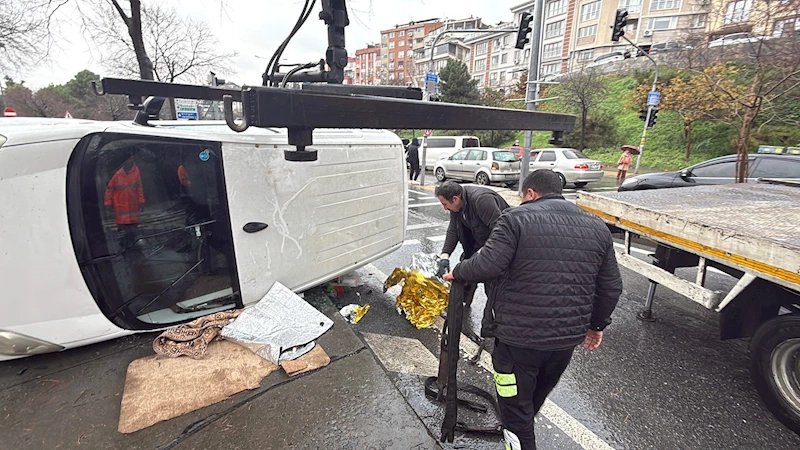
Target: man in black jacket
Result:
[413, 159]
[473, 213]
[556, 283]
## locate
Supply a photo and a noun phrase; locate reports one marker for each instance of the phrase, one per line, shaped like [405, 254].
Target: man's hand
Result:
[449, 277]
[593, 339]
[444, 267]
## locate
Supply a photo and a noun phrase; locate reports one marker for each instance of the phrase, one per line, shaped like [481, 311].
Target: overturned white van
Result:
[109, 228]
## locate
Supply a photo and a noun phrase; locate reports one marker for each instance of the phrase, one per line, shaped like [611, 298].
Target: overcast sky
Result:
[255, 28]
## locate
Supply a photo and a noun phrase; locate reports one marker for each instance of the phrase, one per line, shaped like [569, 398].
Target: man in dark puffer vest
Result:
[555, 285]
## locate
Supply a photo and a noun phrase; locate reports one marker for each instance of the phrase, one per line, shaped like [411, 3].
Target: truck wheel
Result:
[440, 174]
[775, 367]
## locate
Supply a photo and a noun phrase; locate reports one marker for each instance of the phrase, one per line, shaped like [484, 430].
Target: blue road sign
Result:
[653, 98]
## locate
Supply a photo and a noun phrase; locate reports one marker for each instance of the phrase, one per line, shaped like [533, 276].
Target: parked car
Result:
[570, 164]
[719, 171]
[736, 38]
[608, 58]
[483, 165]
[665, 47]
[516, 149]
[443, 146]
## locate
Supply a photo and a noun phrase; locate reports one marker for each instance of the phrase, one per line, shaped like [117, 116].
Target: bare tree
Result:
[582, 89]
[24, 38]
[761, 38]
[174, 47]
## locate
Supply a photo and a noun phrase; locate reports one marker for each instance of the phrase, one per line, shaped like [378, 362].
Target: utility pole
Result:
[532, 87]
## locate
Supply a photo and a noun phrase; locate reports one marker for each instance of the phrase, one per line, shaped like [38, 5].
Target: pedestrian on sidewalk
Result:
[473, 214]
[413, 159]
[622, 166]
[556, 283]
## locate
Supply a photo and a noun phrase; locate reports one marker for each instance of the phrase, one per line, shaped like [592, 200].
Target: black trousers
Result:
[414, 172]
[523, 378]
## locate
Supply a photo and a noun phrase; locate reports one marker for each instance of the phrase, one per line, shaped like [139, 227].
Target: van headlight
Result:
[15, 344]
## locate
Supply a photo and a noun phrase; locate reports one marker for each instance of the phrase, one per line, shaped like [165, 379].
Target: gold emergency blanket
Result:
[421, 298]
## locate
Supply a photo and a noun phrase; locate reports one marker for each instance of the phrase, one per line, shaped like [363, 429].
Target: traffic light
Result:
[653, 116]
[620, 22]
[643, 114]
[524, 30]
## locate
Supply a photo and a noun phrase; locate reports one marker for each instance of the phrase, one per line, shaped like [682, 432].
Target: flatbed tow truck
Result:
[748, 231]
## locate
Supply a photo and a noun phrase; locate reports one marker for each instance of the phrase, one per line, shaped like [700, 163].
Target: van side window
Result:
[150, 218]
[442, 143]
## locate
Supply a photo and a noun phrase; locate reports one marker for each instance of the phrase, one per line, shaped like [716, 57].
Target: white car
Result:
[571, 165]
[608, 58]
[736, 38]
[111, 228]
[439, 147]
[481, 165]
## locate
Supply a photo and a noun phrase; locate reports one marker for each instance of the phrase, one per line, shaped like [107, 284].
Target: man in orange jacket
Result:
[125, 196]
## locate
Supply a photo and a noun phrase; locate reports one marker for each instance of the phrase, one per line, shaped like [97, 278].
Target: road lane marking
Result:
[422, 205]
[411, 242]
[420, 226]
[570, 426]
[404, 355]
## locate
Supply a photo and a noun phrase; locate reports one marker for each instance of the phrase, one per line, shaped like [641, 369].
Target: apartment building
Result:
[491, 61]
[449, 46]
[397, 50]
[778, 19]
[649, 22]
[350, 71]
[368, 65]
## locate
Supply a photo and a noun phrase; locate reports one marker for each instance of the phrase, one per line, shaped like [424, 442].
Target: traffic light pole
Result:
[649, 107]
[532, 88]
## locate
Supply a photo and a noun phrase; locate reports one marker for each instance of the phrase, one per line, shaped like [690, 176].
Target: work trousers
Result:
[523, 378]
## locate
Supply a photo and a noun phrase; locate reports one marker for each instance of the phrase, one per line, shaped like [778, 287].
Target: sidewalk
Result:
[72, 400]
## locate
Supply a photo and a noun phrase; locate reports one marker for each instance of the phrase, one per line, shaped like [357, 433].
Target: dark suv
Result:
[719, 171]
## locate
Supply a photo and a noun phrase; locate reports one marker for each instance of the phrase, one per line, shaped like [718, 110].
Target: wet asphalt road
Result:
[671, 384]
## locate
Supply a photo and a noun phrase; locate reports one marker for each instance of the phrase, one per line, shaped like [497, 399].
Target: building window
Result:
[480, 65]
[391, 75]
[786, 28]
[496, 45]
[391, 44]
[505, 40]
[480, 49]
[401, 55]
[391, 35]
[699, 21]
[391, 56]
[658, 5]
[554, 29]
[401, 43]
[526, 55]
[552, 50]
[557, 7]
[391, 66]
[738, 11]
[591, 11]
[384, 36]
[495, 60]
[502, 76]
[400, 64]
[587, 31]
[585, 55]
[549, 69]
[504, 58]
[493, 79]
[633, 6]
[478, 79]
[402, 32]
[663, 23]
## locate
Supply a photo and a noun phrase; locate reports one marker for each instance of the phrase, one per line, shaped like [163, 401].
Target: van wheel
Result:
[482, 179]
[440, 174]
[563, 179]
[775, 367]
[580, 185]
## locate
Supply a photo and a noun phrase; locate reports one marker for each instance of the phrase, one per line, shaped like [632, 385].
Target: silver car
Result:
[482, 165]
[570, 164]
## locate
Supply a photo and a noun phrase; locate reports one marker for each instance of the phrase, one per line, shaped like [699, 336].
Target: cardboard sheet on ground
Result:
[159, 388]
[280, 327]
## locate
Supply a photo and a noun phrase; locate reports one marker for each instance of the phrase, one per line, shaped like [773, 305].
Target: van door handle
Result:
[254, 227]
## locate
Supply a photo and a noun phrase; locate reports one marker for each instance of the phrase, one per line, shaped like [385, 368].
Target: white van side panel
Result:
[316, 230]
[43, 291]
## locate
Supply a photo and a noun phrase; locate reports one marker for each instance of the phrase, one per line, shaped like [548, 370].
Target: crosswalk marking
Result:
[583, 436]
[411, 242]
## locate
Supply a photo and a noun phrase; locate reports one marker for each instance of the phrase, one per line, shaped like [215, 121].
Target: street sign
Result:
[428, 133]
[431, 82]
[186, 113]
[653, 98]
[8, 112]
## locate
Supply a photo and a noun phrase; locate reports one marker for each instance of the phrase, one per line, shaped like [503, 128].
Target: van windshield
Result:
[471, 142]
